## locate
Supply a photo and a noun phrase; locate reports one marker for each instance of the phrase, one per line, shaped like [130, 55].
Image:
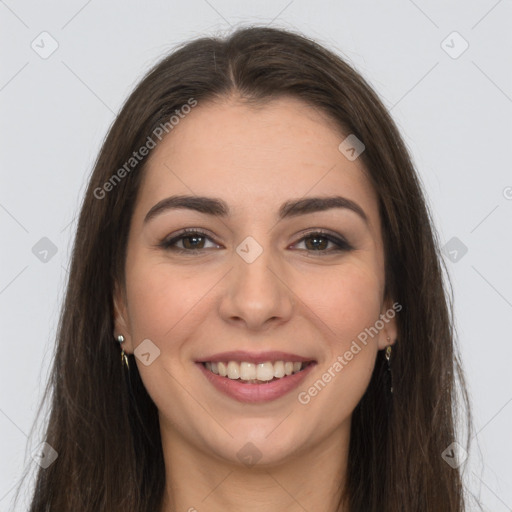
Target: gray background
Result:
[454, 110]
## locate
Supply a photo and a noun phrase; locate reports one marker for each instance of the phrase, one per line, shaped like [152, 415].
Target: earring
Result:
[388, 369]
[124, 358]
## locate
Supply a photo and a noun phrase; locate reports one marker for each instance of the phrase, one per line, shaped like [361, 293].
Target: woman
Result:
[255, 243]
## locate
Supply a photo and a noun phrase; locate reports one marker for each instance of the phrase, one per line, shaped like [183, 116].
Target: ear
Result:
[390, 310]
[121, 323]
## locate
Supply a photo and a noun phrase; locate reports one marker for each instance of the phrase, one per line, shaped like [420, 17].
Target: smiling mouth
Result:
[256, 373]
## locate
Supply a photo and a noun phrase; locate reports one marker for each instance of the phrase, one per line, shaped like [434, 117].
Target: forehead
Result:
[255, 158]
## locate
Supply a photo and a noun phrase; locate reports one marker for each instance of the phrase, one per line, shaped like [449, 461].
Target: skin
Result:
[290, 299]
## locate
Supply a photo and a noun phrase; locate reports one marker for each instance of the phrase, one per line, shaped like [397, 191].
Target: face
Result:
[258, 284]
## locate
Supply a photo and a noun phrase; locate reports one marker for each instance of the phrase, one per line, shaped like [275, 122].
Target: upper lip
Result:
[254, 357]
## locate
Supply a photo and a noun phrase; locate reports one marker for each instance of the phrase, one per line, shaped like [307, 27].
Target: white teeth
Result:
[279, 369]
[223, 369]
[247, 371]
[263, 372]
[233, 370]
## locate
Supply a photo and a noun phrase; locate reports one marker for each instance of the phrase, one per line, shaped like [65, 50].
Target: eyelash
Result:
[167, 244]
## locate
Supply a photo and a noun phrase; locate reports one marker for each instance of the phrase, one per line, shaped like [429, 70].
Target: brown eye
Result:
[191, 240]
[318, 242]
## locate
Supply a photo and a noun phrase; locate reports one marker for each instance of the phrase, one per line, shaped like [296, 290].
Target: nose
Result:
[256, 294]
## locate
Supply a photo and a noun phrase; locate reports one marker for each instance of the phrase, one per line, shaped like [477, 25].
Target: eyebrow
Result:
[219, 208]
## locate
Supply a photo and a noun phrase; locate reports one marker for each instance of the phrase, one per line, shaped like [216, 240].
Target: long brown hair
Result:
[103, 424]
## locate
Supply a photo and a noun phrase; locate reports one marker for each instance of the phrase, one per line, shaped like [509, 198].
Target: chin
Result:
[262, 445]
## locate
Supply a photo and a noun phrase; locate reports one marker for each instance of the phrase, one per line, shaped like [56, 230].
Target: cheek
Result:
[347, 299]
[162, 299]
[164, 307]
[348, 304]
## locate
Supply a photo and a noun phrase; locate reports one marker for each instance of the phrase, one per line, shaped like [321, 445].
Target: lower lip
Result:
[256, 393]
